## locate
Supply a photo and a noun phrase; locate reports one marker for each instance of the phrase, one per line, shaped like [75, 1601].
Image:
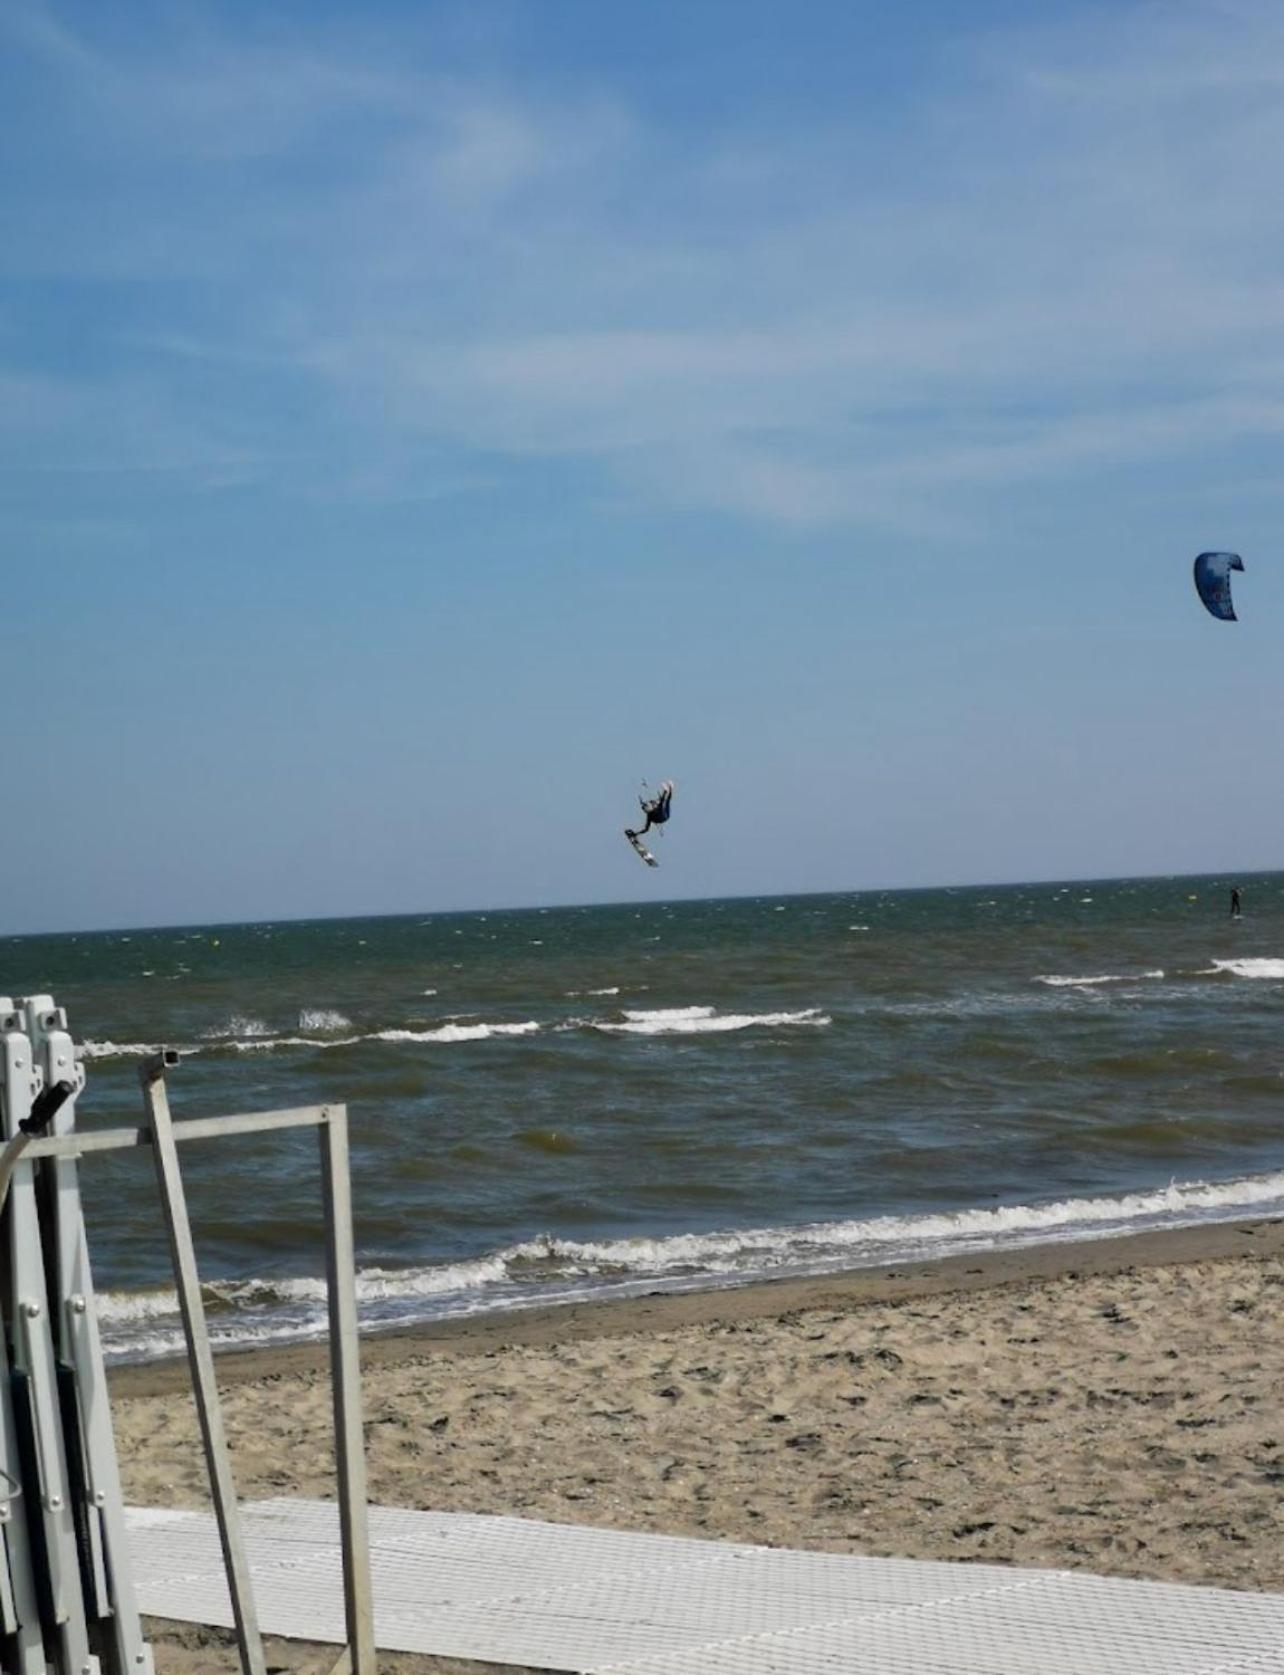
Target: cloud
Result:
[1064, 257]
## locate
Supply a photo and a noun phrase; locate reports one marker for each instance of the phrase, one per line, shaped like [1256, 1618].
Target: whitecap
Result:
[449, 1033]
[236, 1025]
[1094, 982]
[322, 1018]
[444, 1033]
[1260, 967]
[703, 1020]
[269, 1043]
[125, 1049]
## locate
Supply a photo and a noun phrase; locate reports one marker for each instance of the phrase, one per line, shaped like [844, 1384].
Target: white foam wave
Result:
[383, 1284]
[126, 1049]
[454, 1032]
[549, 1270]
[1250, 967]
[703, 1020]
[894, 1238]
[116, 1049]
[445, 1033]
[668, 1014]
[322, 1018]
[614, 991]
[236, 1025]
[1094, 982]
[115, 1307]
[269, 1043]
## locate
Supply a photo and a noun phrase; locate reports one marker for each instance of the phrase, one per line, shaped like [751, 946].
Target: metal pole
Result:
[345, 1377]
[19, 1607]
[19, 1611]
[201, 1360]
[34, 1379]
[87, 1431]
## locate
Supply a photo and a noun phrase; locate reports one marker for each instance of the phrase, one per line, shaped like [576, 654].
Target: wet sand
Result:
[1108, 1406]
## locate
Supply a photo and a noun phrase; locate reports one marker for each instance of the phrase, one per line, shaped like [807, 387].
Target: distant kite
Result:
[1212, 582]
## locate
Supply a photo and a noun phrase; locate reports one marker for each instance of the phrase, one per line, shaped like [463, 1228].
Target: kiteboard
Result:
[641, 848]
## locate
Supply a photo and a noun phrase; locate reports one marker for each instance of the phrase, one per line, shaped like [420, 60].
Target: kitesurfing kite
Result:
[1212, 582]
[657, 811]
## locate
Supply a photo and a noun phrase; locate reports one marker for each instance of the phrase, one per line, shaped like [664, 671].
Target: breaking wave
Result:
[706, 1020]
[236, 1026]
[219, 1040]
[1259, 967]
[319, 1018]
[116, 1049]
[454, 1032]
[677, 1020]
[127, 1049]
[542, 1271]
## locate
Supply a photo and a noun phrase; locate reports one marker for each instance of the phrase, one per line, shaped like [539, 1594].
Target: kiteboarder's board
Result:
[641, 848]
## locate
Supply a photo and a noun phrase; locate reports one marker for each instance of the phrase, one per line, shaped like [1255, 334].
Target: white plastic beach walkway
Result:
[589, 1601]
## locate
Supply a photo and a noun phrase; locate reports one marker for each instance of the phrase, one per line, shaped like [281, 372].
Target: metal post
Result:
[65, 1583]
[19, 1610]
[201, 1360]
[345, 1377]
[19, 1600]
[88, 1436]
[56, 1563]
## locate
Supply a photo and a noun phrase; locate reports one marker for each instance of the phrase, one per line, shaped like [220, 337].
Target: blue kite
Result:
[1212, 582]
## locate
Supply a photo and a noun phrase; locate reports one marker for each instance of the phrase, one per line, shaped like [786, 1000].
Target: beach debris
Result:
[1212, 583]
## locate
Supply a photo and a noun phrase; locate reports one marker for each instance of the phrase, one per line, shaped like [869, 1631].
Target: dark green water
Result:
[550, 1102]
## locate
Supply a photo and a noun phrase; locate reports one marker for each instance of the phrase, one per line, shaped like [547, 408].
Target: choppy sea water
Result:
[557, 1103]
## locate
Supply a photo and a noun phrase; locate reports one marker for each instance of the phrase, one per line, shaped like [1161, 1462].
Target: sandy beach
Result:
[1110, 1406]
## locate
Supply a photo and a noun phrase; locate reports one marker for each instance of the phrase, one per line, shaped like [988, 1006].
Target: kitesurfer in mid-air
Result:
[655, 808]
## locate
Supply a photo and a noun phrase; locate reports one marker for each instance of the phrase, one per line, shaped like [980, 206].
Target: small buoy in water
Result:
[1192, 898]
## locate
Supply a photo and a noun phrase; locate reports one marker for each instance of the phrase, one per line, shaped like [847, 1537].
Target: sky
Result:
[420, 422]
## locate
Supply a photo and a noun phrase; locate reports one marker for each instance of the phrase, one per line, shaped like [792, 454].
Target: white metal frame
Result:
[64, 1563]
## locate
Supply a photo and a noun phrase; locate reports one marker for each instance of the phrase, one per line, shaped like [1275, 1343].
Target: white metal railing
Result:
[66, 1594]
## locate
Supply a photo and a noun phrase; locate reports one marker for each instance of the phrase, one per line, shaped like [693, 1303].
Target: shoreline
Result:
[1108, 1405]
[546, 1325]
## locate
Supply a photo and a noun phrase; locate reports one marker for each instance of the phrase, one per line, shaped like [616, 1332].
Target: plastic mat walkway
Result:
[563, 1597]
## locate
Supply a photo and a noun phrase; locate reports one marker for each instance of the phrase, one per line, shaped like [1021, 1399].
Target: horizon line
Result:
[666, 901]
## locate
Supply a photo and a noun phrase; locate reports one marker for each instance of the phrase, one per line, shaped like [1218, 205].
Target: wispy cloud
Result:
[1067, 258]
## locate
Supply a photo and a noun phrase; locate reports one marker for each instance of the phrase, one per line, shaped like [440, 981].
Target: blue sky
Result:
[418, 422]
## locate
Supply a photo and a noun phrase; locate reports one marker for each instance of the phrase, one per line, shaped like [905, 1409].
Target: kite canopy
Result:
[1212, 582]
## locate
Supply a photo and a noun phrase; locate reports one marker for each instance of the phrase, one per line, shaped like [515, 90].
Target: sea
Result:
[557, 1104]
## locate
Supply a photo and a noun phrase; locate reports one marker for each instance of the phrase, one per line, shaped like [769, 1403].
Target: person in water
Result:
[656, 809]
[1235, 902]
